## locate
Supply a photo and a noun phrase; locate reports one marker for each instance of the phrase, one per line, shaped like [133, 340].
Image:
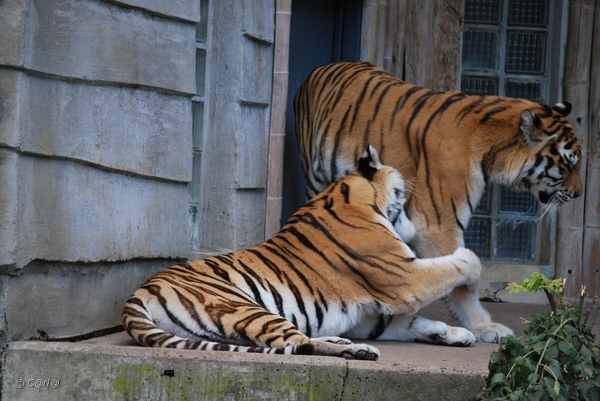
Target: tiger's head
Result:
[391, 204]
[547, 161]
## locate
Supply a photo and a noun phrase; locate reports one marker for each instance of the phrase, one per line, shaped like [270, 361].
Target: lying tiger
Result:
[447, 145]
[339, 267]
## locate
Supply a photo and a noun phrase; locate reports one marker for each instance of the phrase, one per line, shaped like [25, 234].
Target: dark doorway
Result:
[321, 32]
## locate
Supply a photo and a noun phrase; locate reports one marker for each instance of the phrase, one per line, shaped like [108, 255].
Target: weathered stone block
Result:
[97, 41]
[253, 144]
[11, 90]
[8, 209]
[126, 129]
[13, 15]
[188, 10]
[72, 212]
[60, 300]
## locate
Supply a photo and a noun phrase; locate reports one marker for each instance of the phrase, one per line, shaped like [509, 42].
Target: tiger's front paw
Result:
[333, 340]
[459, 337]
[491, 332]
[470, 266]
[360, 351]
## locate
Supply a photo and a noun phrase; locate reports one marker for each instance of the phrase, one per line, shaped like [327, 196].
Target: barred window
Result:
[506, 52]
[198, 102]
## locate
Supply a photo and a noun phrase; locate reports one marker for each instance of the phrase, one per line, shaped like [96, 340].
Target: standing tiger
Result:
[447, 146]
[338, 267]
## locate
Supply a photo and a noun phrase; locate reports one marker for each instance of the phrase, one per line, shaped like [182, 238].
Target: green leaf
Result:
[565, 347]
[497, 378]
[551, 353]
[570, 330]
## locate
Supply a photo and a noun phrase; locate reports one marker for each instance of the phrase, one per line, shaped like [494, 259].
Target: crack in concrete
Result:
[344, 381]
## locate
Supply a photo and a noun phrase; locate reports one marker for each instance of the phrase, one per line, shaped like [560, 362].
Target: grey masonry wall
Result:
[95, 157]
[239, 76]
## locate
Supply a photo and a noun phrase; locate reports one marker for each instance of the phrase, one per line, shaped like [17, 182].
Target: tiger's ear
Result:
[531, 126]
[564, 108]
[369, 163]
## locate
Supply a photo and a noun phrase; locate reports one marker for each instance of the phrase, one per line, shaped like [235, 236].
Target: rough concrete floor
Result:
[115, 368]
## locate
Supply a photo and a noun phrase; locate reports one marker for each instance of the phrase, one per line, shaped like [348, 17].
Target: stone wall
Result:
[95, 157]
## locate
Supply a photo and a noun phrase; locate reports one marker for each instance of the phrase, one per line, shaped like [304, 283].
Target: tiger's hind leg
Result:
[265, 329]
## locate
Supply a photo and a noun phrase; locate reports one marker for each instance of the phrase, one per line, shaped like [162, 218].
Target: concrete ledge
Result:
[113, 368]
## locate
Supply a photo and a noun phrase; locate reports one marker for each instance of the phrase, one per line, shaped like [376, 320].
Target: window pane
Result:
[194, 186]
[477, 237]
[483, 11]
[526, 90]
[523, 203]
[525, 52]
[484, 206]
[200, 72]
[478, 86]
[528, 12]
[515, 239]
[480, 50]
[197, 124]
[202, 26]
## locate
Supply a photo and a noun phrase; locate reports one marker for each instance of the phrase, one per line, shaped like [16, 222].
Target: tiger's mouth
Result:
[557, 197]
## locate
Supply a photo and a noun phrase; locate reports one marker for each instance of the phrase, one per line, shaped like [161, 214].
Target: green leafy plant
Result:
[556, 359]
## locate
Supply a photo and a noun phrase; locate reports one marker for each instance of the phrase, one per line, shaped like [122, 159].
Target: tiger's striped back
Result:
[447, 145]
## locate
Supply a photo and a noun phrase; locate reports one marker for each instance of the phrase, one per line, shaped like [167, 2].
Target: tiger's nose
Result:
[575, 193]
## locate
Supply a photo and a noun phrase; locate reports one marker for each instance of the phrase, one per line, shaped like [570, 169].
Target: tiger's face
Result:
[392, 207]
[552, 174]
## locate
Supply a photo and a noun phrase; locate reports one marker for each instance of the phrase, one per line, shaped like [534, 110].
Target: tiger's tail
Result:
[139, 325]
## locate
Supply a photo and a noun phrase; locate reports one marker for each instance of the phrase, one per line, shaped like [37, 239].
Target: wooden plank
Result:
[433, 37]
[369, 33]
[278, 109]
[569, 258]
[446, 60]
[591, 250]
[420, 36]
[393, 61]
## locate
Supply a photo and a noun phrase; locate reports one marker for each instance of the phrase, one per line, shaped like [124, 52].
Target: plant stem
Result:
[551, 299]
[560, 326]
[582, 296]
